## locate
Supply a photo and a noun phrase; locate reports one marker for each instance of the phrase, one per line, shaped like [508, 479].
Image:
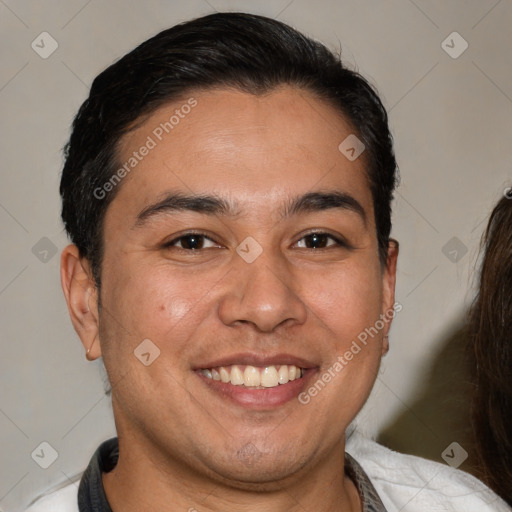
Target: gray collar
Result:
[370, 499]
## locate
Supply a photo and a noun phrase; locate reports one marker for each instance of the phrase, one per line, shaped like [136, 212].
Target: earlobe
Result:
[81, 296]
[385, 345]
[89, 354]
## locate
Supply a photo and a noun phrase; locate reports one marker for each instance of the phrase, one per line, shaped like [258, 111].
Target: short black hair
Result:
[251, 53]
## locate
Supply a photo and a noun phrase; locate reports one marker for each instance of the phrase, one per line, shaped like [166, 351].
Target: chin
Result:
[252, 471]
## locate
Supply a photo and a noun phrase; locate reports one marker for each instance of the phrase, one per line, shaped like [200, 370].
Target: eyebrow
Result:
[319, 201]
[175, 202]
[215, 205]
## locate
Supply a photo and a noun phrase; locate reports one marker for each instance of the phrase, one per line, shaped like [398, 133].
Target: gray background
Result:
[452, 121]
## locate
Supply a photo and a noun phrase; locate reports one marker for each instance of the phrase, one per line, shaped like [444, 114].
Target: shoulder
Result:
[61, 499]
[406, 482]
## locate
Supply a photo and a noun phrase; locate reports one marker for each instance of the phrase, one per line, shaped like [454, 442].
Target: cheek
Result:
[150, 301]
[346, 300]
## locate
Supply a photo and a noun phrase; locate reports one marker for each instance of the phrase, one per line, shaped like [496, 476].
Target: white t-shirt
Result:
[405, 483]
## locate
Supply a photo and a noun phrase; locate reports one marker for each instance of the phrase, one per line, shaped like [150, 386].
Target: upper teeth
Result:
[254, 376]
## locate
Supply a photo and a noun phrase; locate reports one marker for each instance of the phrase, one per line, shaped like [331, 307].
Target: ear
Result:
[82, 299]
[388, 290]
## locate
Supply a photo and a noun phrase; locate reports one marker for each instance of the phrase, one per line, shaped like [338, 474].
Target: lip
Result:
[259, 399]
[254, 359]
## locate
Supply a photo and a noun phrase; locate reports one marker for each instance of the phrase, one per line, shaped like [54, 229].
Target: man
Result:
[227, 190]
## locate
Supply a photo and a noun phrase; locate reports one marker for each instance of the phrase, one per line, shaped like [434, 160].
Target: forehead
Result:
[256, 149]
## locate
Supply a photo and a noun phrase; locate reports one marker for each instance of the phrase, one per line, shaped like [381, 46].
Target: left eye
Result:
[192, 242]
[318, 241]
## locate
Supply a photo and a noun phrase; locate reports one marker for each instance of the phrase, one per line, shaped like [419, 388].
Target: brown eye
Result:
[192, 242]
[317, 241]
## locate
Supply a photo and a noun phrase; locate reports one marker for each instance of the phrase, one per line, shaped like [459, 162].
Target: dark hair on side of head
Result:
[490, 327]
[250, 53]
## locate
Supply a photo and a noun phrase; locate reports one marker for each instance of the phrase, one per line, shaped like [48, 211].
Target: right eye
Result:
[192, 242]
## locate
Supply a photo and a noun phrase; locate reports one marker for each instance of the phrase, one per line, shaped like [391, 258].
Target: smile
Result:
[255, 377]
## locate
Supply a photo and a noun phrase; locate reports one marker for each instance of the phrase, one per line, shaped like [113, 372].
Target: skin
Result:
[181, 443]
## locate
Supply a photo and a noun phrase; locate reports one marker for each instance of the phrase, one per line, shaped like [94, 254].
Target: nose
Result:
[262, 293]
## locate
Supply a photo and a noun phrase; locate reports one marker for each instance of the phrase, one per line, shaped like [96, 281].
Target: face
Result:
[243, 246]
